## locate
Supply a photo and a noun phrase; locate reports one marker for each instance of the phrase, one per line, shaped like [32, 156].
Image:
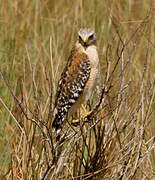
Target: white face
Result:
[86, 37]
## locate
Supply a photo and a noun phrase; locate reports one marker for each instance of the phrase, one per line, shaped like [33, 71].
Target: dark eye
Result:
[80, 38]
[91, 37]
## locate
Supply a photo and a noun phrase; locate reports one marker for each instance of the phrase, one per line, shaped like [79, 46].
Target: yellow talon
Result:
[75, 122]
[85, 111]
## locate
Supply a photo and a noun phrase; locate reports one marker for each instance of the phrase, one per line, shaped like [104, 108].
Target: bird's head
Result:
[86, 37]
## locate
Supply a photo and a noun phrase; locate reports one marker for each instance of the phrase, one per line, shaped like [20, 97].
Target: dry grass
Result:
[117, 140]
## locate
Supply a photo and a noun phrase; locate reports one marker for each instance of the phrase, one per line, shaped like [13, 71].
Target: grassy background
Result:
[35, 40]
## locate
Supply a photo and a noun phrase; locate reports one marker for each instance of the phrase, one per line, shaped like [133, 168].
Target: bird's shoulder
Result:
[77, 55]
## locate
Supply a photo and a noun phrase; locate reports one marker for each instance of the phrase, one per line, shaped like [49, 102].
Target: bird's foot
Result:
[75, 122]
[85, 112]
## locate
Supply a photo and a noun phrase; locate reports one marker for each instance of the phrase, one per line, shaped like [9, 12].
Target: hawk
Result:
[78, 78]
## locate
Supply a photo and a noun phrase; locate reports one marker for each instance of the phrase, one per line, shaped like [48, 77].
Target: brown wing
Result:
[71, 85]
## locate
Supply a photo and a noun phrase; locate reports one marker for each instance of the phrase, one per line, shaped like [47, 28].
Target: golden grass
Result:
[117, 140]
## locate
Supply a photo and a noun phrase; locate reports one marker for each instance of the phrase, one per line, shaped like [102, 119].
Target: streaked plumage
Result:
[78, 78]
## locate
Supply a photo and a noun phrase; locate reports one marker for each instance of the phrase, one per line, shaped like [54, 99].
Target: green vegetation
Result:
[118, 139]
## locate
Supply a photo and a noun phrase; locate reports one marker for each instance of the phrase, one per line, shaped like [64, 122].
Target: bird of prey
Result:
[78, 78]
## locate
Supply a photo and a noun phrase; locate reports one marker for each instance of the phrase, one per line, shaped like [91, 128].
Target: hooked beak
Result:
[85, 39]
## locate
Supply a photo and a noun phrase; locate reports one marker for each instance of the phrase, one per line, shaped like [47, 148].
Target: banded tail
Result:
[57, 125]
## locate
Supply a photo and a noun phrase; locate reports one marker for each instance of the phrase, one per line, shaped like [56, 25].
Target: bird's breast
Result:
[93, 56]
[94, 62]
